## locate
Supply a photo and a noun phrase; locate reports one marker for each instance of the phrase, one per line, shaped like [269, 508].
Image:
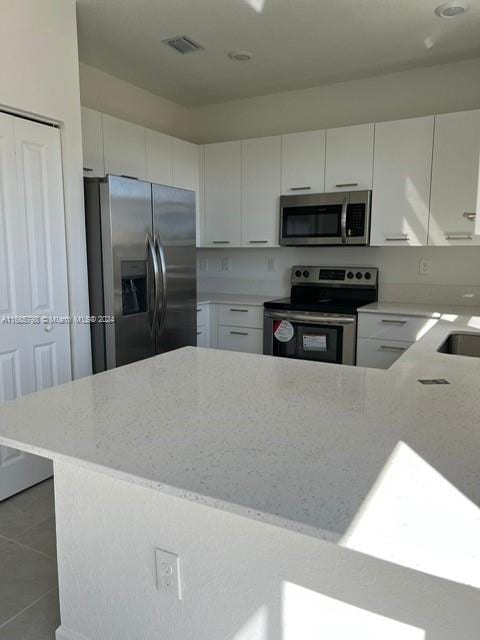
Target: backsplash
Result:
[453, 278]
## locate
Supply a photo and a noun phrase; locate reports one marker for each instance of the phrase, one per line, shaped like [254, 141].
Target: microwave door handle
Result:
[343, 220]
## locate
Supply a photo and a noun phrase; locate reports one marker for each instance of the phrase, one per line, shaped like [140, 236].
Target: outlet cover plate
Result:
[168, 574]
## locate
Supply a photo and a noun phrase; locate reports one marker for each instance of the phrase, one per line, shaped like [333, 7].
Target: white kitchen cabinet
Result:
[379, 354]
[203, 325]
[303, 162]
[92, 141]
[349, 158]
[455, 180]
[159, 150]
[261, 176]
[389, 326]
[240, 339]
[185, 165]
[401, 182]
[223, 194]
[124, 148]
[240, 315]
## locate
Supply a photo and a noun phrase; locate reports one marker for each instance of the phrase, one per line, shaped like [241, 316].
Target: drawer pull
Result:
[470, 215]
[258, 241]
[385, 347]
[300, 188]
[129, 177]
[221, 242]
[87, 169]
[199, 310]
[400, 238]
[347, 184]
[239, 310]
[199, 333]
[458, 236]
[238, 333]
[395, 322]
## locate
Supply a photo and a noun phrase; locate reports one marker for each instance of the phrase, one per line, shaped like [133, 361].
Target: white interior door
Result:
[33, 279]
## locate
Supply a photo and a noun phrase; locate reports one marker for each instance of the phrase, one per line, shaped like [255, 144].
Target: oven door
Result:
[310, 336]
[313, 219]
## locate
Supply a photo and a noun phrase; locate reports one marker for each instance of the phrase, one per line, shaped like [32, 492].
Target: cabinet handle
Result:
[221, 242]
[400, 238]
[238, 333]
[87, 169]
[129, 177]
[396, 322]
[347, 184]
[199, 310]
[258, 241]
[470, 215]
[458, 236]
[300, 188]
[385, 347]
[240, 310]
[199, 333]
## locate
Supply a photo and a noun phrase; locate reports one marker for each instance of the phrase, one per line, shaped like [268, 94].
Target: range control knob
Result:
[359, 275]
[306, 274]
[350, 275]
[298, 273]
[368, 275]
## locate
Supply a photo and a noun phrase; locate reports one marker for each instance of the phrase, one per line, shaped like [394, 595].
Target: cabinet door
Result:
[124, 148]
[223, 194]
[401, 182]
[455, 180]
[185, 165]
[92, 139]
[240, 339]
[349, 158]
[303, 162]
[261, 171]
[379, 354]
[159, 157]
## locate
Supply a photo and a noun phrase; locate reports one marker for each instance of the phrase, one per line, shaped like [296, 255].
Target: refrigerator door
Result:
[174, 232]
[130, 270]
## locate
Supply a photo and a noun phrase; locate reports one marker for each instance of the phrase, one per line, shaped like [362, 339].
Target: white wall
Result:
[39, 76]
[436, 89]
[242, 579]
[104, 92]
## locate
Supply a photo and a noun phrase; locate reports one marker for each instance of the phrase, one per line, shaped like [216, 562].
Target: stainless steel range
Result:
[319, 319]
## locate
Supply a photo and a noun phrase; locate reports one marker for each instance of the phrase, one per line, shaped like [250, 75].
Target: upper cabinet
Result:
[159, 157]
[349, 158]
[401, 182]
[223, 194]
[185, 164]
[455, 180]
[303, 162]
[124, 148]
[92, 137]
[261, 173]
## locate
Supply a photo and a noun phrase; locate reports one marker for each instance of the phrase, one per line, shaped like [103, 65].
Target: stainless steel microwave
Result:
[341, 218]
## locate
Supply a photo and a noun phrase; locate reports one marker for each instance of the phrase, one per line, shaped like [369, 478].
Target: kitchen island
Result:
[252, 470]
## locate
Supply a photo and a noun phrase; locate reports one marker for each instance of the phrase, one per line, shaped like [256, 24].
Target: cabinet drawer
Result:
[240, 339]
[202, 337]
[238, 315]
[392, 327]
[202, 315]
[379, 354]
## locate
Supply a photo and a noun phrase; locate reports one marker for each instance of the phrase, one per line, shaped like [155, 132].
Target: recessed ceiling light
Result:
[451, 9]
[240, 56]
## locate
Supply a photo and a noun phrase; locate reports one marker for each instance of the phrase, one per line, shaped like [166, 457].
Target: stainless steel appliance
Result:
[341, 218]
[142, 269]
[319, 319]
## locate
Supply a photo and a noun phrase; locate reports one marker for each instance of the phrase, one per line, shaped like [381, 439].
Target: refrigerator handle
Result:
[156, 278]
[163, 267]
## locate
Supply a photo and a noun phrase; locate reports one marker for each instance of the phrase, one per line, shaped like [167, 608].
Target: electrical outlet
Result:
[168, 573]
[424, 267]
[202, 264]
[270, 265]
[226, 264]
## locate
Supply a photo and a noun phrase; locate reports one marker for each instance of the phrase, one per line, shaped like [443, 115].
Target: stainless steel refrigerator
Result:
[141, 269]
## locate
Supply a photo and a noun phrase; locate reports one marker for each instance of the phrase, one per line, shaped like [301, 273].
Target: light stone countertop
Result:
[417, 309]
[293, 443]
[234, 298]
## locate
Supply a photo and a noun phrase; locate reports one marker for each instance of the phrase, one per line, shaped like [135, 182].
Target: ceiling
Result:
[296, 43]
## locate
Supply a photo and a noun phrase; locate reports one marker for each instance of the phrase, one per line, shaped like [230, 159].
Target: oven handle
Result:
[287, 315]
[343, 220]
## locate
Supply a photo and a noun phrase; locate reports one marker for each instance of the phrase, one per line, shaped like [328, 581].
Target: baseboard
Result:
[66, 634]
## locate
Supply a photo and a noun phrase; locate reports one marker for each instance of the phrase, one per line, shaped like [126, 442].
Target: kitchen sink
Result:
[462, 344]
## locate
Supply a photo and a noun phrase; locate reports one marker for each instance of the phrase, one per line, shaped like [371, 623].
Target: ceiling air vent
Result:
[183, 44]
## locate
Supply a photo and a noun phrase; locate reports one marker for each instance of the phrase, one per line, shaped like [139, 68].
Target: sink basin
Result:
[462, 344]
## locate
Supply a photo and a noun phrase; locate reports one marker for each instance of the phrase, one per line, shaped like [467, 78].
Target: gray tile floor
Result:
[28, 568]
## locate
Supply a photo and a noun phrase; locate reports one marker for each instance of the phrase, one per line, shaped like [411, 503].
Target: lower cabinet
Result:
[230, 327]
[240, 339]
[203, 325]
[379, 354]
